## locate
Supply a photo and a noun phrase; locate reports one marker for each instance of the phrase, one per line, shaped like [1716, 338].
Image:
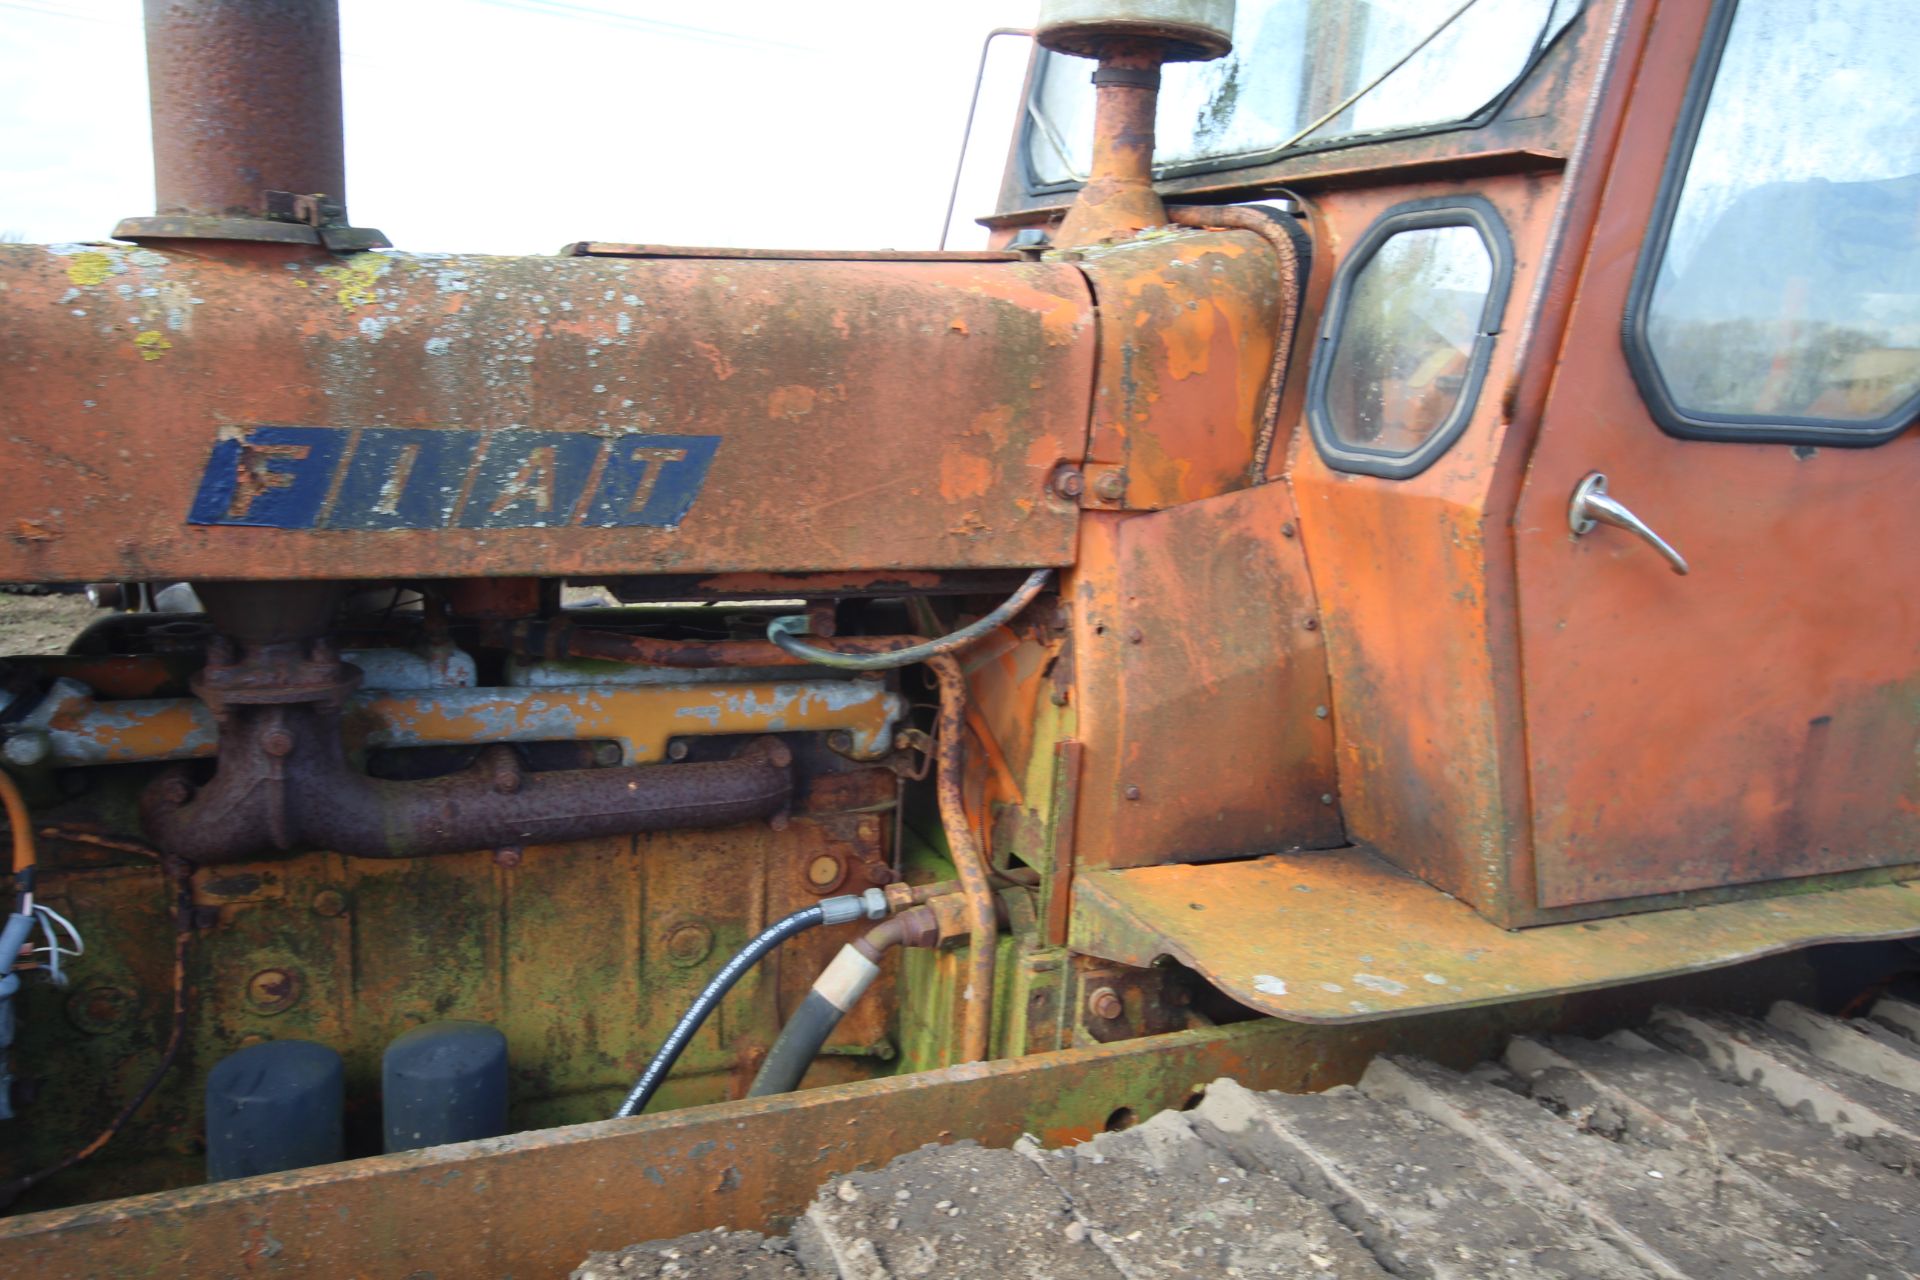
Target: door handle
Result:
[1592, 506]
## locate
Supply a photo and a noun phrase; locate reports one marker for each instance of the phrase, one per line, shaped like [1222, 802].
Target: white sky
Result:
[516, 126]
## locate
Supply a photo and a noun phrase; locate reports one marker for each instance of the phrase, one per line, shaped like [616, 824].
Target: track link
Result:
[1701, 1145]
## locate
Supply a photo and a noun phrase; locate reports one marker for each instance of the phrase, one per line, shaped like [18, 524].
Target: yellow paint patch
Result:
[90, 268]
[357, 280]
[152, 344]
[791, 402]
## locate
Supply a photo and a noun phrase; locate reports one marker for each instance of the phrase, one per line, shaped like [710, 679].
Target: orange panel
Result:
[1757, 719]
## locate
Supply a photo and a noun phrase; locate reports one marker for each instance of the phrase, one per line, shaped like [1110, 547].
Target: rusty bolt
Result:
[1311, 624]
[276, 742]
[1326, 797]
[329, 902]
[677, 749]
[1105, 1003]
[1320, 712]
[824, 871]
[98, 1010]
[879, 873]
[1135, 635]
[507, 855]
[688, 944]
[1069, 483]
[607, 754]
[1286, 530]
[273, 990]
[840, 740]
[779, 755]
[778, 822]
[1132, 792]
[174, 790]
[1110, 487]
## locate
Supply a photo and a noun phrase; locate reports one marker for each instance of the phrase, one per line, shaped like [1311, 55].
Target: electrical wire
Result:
[783, 630]
[180, 878]
[53, 950]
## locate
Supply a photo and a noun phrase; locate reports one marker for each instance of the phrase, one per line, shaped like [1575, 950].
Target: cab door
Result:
[1736, 398]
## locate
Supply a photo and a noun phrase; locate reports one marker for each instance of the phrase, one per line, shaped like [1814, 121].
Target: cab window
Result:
[1778, 296]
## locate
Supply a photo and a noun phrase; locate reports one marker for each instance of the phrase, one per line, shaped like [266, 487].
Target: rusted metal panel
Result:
[1200, 688]
[1188, 321]
[611, 249]
[1345, 937]
[536, 1203]
[270, 412]
[1414, 621]
[1758, 718]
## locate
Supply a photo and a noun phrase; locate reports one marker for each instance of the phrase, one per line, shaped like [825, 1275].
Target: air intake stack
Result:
[1130, 39]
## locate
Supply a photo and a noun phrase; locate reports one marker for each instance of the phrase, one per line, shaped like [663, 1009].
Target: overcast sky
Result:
[516, 126]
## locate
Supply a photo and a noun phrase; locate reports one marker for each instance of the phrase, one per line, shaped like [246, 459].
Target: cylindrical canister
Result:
[274, 1106]
[444, 1082]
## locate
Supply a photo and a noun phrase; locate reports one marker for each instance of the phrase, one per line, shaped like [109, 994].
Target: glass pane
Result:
[1400, 359]
[1791, 281]
[1293, 61]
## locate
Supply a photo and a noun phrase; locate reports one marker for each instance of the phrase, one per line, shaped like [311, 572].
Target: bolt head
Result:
[1069, 483]
[1311, 624]
[1110, 487]
[1105, 1003]
[1131, 793]
[273, 990]
[330, 903]
[276, 742]
[507, 856]
[1135, 635]
[28, 748]
[1286, 530]
[688, 944]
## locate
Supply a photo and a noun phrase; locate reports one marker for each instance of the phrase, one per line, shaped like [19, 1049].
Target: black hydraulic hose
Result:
[837, 910]
[703, 1004]
[833, 996]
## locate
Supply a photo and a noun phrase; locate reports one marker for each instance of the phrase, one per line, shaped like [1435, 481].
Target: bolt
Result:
[1286, 530]
[1326, 797]
[688, 944]
[1132, 792]
[173, 791]
[330, 903]
[677, 750]
[778, 822]
[28, 748]
[1069, 483]
[1105, 1003]
[98, 1010]
[879, 873]
[824, 871]
[779, 755]
[1110, 487]
[607, 754]
[507, 855]
[273, 990]
[840, 741]
[1135, 635]
[1311, 624]
[276, 742]
[1321, 712]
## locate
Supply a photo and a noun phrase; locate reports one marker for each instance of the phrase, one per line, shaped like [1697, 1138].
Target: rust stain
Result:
[791, 402]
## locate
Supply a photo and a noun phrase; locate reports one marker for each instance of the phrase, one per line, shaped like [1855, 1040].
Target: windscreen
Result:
[1308, 73]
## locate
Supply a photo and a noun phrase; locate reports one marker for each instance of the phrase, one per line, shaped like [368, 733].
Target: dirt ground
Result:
[42, 624]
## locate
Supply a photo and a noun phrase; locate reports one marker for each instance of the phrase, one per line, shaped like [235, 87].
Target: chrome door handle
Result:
[1591, 506]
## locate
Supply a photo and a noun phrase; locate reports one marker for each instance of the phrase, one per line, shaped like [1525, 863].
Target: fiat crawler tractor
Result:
[1408, 539]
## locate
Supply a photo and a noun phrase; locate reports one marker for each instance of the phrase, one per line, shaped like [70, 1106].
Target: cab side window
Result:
[1778, 295]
